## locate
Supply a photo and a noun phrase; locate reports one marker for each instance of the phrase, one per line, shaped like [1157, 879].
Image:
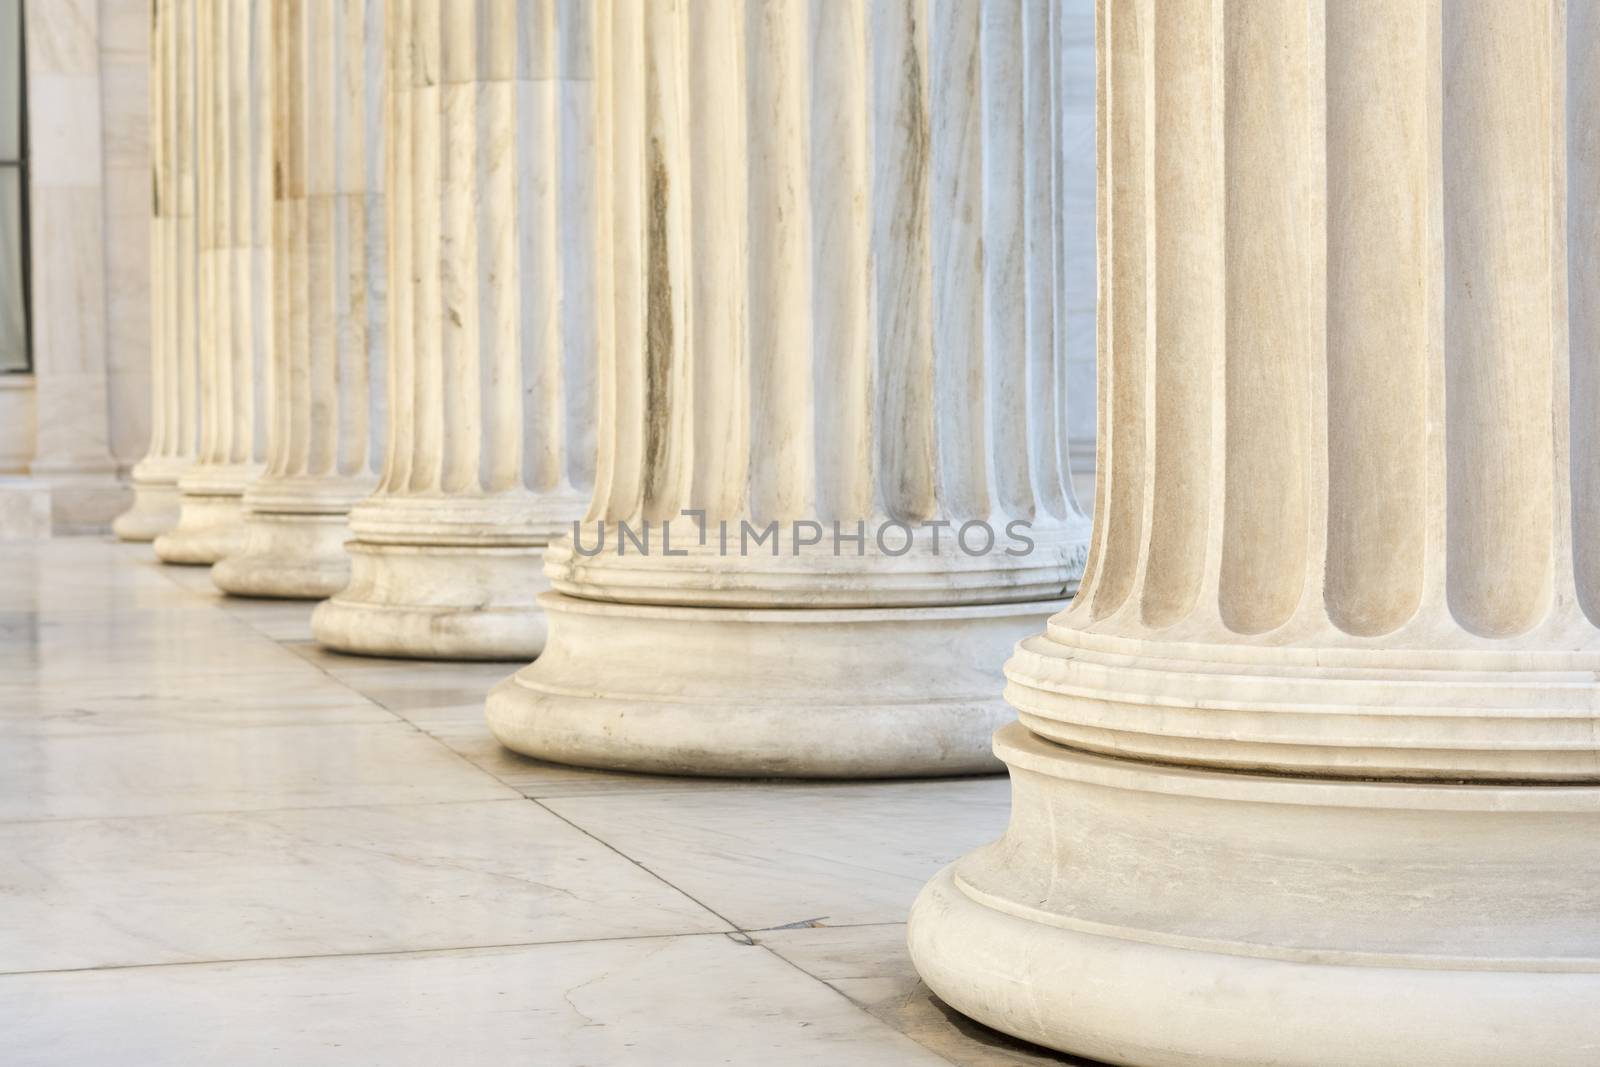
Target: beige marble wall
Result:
[82, 418]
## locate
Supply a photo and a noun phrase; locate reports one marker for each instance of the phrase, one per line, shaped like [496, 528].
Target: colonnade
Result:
[712, 353]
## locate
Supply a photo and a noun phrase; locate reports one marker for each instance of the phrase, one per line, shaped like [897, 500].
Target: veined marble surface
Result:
[222, 843]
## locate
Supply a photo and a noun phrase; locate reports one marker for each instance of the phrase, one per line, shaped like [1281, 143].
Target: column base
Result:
[1160, 916]
[156, 501]
[735, 692]
[209, 528]
[437, 602]
[295, 556]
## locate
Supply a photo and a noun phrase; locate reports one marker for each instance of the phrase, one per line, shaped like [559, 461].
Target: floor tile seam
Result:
[216, 812]
[417, 953]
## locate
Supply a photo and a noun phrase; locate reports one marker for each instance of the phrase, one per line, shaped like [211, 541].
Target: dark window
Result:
[14, 333]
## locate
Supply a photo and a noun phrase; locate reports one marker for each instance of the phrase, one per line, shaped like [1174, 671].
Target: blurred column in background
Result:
[173, 415]
[328, 247]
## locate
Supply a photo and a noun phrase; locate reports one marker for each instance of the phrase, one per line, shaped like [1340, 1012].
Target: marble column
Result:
[489, 448]
[325, 436]
[173, 417]
[1307, 774]
[233, 216]
[833, 338]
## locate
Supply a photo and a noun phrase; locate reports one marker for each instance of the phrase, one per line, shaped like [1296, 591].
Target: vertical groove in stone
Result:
[461, 357]
[718, 302]
[540, 224]
[581, 186]
[956, 216]
[1089, 600]
[619, 472]
[782, 400]
[260, 285]
[1187, 271]
[841, 257]
[209, 165]
[1125, 200]
[236, 105]
[1378, 278]
[1038, 397]
[665, 242]
[508, 142]
[1583, 290]
[181, 106]
[398, 453]
[1268, 127]
[1499, 348]
[427, 370]
[286, 454]
[1007, 296]
[161, 375]
[902, 256]
[320, 135]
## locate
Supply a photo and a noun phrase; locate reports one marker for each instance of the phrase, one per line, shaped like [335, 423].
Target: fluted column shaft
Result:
[831, 377]
[836, 303]
[487, 456]
[328, 309]
[173, 422]
[1347, 278]
[233, 178]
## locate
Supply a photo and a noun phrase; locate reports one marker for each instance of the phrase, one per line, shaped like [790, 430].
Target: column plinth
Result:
[1308, 772]
[488, 454]
[835, 300]
[329, 291]
[232, 317]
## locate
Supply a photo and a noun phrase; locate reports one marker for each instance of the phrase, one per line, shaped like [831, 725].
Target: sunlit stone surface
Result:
[1306, 773]
[834, 309]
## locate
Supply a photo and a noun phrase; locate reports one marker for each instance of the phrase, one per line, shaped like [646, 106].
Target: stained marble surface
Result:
[220, 843]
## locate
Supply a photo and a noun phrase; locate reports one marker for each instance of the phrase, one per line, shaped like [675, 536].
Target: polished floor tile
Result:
[836, 854]
[260, 768]
[870, 965]
[664, 1002]
[244, 885]
[221, 843]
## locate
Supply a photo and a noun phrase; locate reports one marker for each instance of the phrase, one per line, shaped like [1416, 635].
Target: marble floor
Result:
[222, 844]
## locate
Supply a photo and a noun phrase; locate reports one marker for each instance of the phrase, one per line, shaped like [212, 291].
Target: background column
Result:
[1307, 773]
[172, 356]
[489, 444]
[834, 324]
[233, 170]
[329, 263]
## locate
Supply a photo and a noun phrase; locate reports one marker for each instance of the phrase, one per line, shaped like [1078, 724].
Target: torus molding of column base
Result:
[211, 523]
[155, 499]
[296, 556]
[804, 693]
[437, 601]
[1185, 916]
